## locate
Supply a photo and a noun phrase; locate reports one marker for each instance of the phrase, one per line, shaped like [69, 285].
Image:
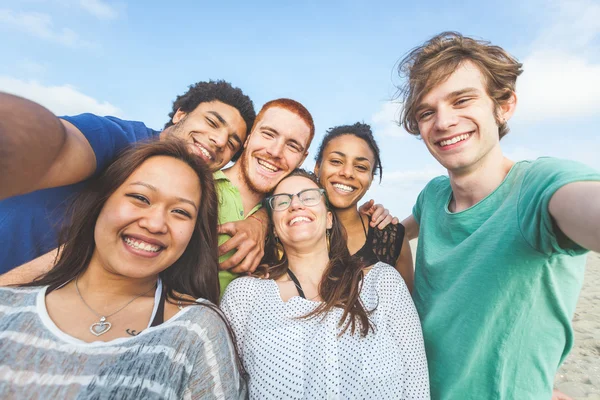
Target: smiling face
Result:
[276, 146]
[214, 131]
[300, 224]
[346, 170]
[147, 223]
[457, 120]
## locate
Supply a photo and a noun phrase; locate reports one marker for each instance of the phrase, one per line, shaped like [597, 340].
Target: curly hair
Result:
[426, 66]
[360, 130]
[220, 90]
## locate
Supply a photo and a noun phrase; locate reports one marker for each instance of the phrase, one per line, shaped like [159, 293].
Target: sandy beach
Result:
[579, 376]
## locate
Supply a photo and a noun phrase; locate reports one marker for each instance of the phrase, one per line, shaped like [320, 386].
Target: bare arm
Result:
[29, 271]
[411, 228]
[575, 208]
[38, 150]
[404, 264]
[248, 237]
[379, 215]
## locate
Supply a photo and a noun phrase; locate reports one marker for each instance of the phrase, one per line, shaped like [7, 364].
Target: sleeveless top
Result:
[381, 245]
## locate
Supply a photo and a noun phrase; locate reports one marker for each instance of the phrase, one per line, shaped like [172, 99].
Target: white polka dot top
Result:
[291, 358]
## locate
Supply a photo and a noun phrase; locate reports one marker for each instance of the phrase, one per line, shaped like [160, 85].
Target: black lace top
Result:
[382, 245]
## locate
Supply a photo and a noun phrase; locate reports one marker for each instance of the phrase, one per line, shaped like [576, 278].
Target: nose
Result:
[154, 220]
[295, 203]
[275, 150]
[445, 118]
[219, 137]
[347, 170]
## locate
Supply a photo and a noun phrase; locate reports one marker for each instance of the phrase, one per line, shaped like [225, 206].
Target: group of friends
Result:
[138, 264]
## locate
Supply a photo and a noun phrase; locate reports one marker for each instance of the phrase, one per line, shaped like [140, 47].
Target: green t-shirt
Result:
[231, 209]
[496, 285]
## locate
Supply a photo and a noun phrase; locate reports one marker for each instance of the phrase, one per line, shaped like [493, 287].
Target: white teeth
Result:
[344, 188]
[267, 165]
[454, 140]
[299, 219]
[138, 244]
[203, 151]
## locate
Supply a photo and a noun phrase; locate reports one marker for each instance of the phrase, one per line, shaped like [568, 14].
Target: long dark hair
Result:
[195, 273]
[342, 281]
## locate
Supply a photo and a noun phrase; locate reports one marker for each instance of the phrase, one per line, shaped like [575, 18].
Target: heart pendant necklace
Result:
[103, 326]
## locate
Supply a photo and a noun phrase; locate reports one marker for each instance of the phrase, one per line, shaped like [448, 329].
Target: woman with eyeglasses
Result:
[346, 163]
[322, 326]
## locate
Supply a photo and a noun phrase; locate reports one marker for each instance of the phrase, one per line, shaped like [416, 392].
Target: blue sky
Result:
[131, 59]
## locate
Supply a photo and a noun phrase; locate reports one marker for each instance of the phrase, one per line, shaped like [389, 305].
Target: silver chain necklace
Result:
[103, 326]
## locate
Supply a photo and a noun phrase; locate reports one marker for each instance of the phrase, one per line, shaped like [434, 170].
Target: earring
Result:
[279, 247]
[328, 235]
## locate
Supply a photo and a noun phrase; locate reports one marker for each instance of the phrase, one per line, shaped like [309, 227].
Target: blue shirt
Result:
[29, 224]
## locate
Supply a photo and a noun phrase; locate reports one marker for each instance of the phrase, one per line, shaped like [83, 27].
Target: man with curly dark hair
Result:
[45, 159]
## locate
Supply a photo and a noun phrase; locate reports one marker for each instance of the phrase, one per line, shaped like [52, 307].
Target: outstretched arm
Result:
[575, 208]
[38, 150]
[29, 271]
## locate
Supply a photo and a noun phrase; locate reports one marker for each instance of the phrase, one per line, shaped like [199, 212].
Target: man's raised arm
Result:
[38, 150]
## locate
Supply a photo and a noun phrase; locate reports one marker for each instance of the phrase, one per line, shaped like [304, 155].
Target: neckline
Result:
[447, 204]
[48, 323]
[277, 292]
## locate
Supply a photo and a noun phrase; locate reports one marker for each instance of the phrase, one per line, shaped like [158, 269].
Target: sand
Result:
[579, 376]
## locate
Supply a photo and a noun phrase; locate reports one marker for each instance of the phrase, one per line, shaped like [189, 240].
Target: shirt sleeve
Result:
[108, 136]
[237, 305]
[544, 177]
[403, 323]
[215, 374]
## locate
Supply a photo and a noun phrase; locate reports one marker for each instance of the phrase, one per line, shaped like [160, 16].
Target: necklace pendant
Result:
[100, 328]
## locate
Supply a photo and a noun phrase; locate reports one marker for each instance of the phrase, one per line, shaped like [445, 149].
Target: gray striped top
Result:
[189, 356]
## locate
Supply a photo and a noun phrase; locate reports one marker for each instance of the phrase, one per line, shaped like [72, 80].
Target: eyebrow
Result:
[456, 93]
[154, 189]
[268, 128]
[357, 158]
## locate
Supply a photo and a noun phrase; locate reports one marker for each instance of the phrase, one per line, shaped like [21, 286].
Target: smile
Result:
[203, 151]
[267, 165]
[343, 188]
[298, 220]
[137, 244]
[456, 139]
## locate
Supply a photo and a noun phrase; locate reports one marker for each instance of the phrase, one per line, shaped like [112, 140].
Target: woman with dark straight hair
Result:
[322, 325]
[129, 309]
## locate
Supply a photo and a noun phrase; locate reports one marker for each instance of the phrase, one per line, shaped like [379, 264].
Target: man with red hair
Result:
[277, 144]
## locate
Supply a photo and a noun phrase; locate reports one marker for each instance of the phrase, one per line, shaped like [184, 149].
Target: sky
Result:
[338, 58]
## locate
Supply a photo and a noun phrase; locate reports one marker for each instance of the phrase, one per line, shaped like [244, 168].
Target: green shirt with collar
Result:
[231, 209]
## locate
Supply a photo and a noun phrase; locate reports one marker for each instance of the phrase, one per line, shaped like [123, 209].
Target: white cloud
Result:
[61, 100]
[385, 121]
[99, 9]
[561, 77]
[41, 26]
[557, 85]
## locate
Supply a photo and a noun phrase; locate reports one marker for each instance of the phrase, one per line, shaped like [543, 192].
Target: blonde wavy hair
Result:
[430, 64]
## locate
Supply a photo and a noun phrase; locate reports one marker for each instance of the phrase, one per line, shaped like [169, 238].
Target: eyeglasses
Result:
[308, 197]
